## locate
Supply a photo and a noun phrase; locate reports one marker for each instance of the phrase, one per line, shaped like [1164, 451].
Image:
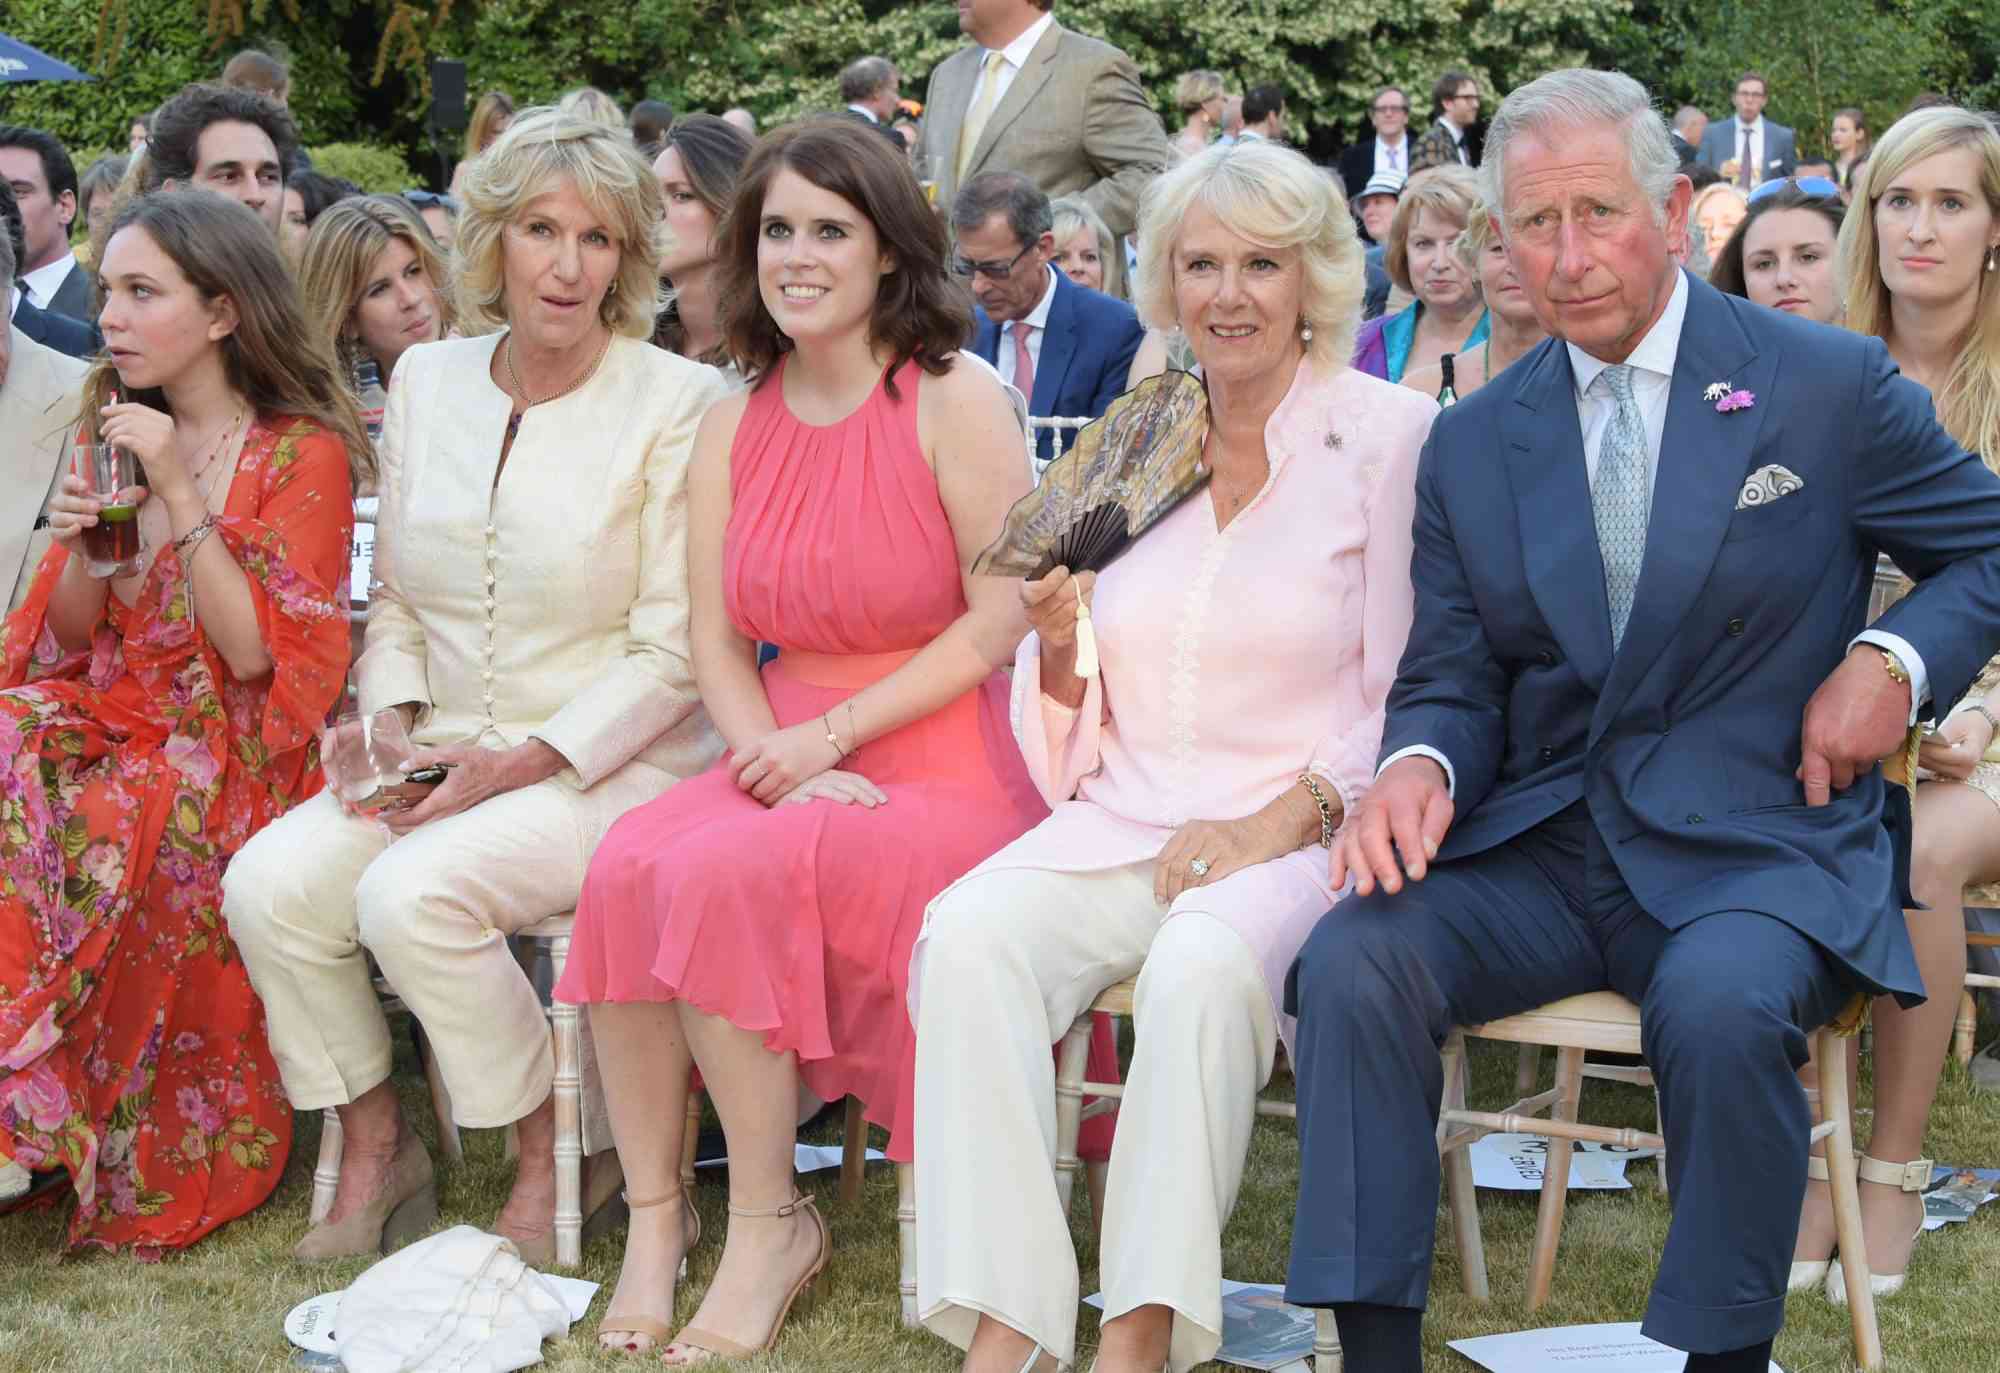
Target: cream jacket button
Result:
[489, 603]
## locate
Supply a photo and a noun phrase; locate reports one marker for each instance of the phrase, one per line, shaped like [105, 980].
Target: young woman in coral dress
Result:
[758, 921]
[151, 723]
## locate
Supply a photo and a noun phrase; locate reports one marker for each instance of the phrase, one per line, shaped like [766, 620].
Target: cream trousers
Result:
[317, 887]
[1011, 957]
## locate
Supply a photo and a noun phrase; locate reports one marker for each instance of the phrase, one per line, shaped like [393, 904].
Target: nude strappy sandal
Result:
[612, 1326]
[711, 1348]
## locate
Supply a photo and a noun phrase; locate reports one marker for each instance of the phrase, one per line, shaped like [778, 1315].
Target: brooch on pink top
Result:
[1726, 398]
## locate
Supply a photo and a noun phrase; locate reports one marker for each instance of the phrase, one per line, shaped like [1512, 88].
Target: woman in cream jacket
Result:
[531, 626]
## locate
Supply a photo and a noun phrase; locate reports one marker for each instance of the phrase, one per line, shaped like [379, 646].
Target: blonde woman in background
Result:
[531, 627]
[1087, 254]
[1716, 210]
[490, 118]
[1513, 328]
[1446, 314]
[1199, 96]
[1921, 253]
[375, 286]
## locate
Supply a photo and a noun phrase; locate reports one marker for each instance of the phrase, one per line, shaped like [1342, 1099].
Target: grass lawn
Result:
[219, 1306]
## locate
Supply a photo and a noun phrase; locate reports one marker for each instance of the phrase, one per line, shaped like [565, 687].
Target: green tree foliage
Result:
[1817, 58]
[361, 65]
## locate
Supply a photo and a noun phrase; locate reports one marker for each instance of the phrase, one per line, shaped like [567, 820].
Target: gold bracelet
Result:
[1325, 810]
[853, 730]
[828, 722]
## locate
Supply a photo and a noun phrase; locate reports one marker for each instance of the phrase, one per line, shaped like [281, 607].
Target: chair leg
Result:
[1458, 1180]
[569, 1137]
[1965, 1028]
[853, 1153]
[1832, 1055]
[906, 1239]
[690, 1140]
[1555, 1178]
[1069, 1105]
[1526, 1069]
[447, 1128]
[326, 1173]
[1326, 1343]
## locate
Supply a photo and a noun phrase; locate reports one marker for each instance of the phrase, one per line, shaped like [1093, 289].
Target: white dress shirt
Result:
[1014, 57]
[865, 113]
[46, 280]
[1652, 364]
[1457, 138]
[1037, 321]
[1393, 157]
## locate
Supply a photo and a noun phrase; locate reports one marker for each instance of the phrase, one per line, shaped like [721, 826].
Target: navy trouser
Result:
[1728, 1003]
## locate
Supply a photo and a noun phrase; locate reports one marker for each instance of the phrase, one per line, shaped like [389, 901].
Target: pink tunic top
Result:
[1235, 659]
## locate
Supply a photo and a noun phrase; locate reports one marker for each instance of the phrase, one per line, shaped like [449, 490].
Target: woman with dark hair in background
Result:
[697, 169]
[1849, 138]
[490, 118]
[758, 921]
[1782, 254]
[307, 195]
[650, 120]
[153, 720]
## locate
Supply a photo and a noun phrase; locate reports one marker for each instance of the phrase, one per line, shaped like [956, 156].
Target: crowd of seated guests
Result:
[645, 400]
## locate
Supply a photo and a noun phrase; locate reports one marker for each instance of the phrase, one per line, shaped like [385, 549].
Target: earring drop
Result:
[1992, 255]
[1306, 330]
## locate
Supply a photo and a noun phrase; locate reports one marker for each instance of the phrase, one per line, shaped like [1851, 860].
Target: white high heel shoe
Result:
[1913, 1176]
[1810, 1272]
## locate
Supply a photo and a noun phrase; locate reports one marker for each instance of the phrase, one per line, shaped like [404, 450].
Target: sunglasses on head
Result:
[423, 200]
[1811, 185]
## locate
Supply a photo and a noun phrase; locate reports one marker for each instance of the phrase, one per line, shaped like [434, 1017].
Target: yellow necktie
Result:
[981, 111]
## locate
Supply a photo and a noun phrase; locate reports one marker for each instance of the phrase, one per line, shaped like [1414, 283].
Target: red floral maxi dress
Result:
[132, 1050]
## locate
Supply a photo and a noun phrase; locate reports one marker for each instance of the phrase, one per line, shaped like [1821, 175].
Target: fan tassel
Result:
[1086, 642]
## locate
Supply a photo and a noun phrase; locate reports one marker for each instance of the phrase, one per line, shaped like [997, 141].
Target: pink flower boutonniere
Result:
[1728, 398]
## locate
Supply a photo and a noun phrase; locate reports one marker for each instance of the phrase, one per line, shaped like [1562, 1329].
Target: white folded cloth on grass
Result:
[14, 1180]
[461, 1300]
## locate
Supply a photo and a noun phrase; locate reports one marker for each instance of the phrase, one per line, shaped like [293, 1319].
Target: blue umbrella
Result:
[19, 62]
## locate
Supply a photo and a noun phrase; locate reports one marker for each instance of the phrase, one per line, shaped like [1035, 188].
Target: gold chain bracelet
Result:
[1325, 810]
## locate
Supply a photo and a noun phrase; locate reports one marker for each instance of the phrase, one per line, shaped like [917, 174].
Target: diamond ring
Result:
[1200, 867]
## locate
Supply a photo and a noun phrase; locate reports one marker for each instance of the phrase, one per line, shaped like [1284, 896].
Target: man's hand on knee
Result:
[1406, 812]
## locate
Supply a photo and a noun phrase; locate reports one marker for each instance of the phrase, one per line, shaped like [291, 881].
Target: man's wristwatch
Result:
[1897, 672]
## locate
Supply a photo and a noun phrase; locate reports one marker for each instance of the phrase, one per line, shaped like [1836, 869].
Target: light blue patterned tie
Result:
[1621, 499]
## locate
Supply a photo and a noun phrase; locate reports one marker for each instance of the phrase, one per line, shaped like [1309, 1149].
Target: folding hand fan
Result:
[1127, 471]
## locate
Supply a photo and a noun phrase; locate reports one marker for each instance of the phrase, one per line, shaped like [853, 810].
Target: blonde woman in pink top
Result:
[1247, 643]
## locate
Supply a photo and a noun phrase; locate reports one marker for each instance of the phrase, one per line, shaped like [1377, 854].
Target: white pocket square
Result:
[1768, 484]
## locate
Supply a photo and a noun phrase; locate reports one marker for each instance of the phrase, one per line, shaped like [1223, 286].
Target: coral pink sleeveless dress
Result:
[797, 921]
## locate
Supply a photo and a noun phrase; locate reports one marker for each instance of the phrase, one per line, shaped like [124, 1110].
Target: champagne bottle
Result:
[1447, 394]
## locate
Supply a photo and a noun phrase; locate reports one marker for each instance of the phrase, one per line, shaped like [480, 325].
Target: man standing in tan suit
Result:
[40, 392]
[1033, 97]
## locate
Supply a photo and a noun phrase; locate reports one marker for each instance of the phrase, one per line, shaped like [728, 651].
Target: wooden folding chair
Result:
[1605, 1022]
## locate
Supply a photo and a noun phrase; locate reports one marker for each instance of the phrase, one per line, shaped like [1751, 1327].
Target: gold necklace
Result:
[214, 453]
[514, 378]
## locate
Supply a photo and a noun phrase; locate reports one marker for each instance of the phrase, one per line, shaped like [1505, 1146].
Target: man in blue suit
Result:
[1632, 743]
[1065, 347]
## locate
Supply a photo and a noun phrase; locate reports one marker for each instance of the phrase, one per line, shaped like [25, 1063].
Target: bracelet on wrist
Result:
[1326, 825]
[826, 721]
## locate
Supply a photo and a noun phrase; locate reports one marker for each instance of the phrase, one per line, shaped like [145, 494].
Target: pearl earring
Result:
[1306, 331]
[1992, 255]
